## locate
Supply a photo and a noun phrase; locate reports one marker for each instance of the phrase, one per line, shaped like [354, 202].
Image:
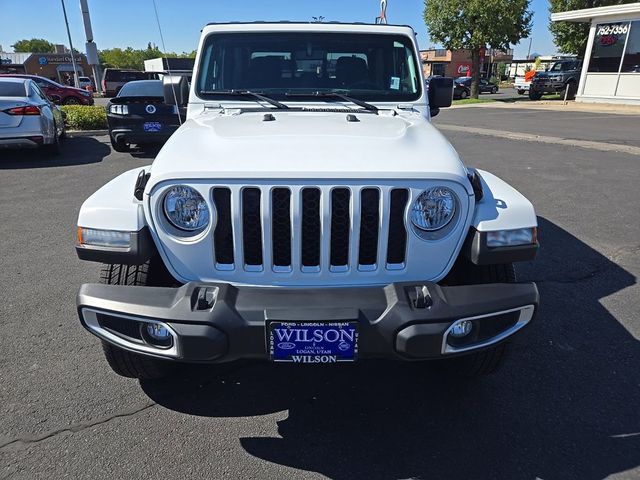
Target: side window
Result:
[608, 46]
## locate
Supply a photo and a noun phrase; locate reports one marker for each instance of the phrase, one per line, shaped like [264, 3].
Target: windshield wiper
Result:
[247, 93]
[360, 103]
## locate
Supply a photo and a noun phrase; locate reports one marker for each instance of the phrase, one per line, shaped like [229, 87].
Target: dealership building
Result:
[55, 66]
[611, 68]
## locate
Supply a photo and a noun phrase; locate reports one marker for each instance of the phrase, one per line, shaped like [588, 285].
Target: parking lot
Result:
[564, 406]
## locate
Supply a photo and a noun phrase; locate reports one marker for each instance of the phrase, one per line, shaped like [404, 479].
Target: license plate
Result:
[313, 342]
[152, 126]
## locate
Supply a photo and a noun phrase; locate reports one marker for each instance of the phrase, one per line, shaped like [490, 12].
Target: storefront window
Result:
[608, 47]
[631, 62]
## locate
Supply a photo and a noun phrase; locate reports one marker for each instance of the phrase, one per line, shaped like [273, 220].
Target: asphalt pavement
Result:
[565, 405]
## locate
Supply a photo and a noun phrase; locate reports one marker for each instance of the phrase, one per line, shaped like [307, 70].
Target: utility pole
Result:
[529, 50]
[90, 47]
[73, 56]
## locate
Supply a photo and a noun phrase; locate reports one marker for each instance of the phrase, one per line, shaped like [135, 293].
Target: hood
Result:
[307, 145]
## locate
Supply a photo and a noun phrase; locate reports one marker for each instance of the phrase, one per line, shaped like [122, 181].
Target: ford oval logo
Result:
[286, 345]
[150, 109]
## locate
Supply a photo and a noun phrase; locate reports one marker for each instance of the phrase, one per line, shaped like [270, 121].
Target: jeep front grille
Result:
[310, 228]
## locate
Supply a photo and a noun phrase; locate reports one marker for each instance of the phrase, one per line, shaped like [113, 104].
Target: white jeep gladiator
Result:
[306, 211]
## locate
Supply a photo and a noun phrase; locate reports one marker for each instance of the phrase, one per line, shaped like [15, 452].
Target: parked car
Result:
[521, 85]
[484, 86]
[562, 75]
[28, 118]
[460, 90]
[61, 94]
[114, 78]
[138, 115]
[86, 83]
[289, 219]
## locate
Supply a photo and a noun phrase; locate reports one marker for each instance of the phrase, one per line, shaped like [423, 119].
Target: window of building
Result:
[608, 47]
[441, 52]
[631, 61]
[437, 69]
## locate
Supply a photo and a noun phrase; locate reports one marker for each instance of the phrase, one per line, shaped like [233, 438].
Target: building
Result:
[457, 63]
[611, 67]
[55, 66]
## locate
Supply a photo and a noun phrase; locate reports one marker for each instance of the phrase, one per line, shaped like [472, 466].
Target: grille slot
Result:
[223, 234]
[251, 227]
[281, 226]
[397, 241]
[369, 226]
[340, 226]
[310, 237]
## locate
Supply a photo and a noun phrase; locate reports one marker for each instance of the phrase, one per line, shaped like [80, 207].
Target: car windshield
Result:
[362, 66]
[142, 88]
[12, 89]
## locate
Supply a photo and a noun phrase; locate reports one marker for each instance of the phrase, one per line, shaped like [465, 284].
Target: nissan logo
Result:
[150, 109]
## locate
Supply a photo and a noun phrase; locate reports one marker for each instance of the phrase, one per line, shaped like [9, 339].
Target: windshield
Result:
[142, 88]
[562, 66]
[363, 66]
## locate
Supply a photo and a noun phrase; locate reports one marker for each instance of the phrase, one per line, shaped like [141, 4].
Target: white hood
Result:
[307, 145]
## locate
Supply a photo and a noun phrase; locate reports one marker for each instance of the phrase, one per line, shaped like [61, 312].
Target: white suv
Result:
[306, 211]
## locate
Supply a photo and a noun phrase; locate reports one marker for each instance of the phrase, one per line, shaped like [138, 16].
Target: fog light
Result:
[157, 335]
[461, 329]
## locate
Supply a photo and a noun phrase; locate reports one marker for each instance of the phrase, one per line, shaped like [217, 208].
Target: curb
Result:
[87, 133]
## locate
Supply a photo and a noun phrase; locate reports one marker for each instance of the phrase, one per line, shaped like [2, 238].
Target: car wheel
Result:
[71, 101]
[533, 95]
[54, 148]
[123, 362]
[494, 90]
[520, 92]
[120, 146]
[572, 90]
[464, 94]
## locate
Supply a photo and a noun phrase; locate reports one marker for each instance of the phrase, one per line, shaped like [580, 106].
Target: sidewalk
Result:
[558, 106]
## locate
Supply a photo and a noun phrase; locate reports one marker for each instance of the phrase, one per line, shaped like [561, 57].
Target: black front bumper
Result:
[220, 322]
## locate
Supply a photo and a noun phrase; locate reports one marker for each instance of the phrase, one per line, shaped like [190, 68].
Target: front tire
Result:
[572, 90]
[71, 101]
[464, 94]
[125, 363]
[533, 95]
[487, 361]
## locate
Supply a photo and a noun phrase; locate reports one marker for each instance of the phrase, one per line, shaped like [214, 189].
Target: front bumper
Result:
[212, 323]
[547, 86]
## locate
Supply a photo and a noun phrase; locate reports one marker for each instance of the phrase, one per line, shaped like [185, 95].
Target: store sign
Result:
[609, 34]
[57, 59]
[464, 70]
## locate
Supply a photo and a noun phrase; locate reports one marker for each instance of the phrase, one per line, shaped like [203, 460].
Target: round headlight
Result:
[433, 209]
[186, 209]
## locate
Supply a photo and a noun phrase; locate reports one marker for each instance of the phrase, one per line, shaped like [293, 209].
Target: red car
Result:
[60, 94]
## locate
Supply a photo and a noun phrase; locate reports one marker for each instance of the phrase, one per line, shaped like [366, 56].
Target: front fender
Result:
[113, 207]
[502, 207]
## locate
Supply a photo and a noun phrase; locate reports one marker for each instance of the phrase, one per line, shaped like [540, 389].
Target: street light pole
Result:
[73, 57]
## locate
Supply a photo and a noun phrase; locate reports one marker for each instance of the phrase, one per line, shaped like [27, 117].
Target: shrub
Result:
[85, 117]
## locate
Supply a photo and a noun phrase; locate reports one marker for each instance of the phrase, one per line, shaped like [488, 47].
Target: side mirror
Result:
[175, 89]
[55, 99]
[440, 94]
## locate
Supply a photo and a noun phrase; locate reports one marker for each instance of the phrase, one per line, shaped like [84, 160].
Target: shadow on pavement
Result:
[565, 405]
[75, 151]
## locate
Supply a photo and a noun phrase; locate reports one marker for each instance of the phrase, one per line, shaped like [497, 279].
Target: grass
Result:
[469, 101]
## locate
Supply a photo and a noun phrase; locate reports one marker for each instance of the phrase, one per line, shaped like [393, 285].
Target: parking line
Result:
[528, 137]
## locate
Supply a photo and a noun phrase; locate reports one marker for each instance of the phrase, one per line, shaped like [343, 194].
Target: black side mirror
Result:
[440, 94]
[175, 89]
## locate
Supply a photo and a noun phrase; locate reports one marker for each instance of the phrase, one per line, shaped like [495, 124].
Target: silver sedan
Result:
[28, 118]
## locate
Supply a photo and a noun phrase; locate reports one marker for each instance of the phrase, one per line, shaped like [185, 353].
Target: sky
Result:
[123, 23]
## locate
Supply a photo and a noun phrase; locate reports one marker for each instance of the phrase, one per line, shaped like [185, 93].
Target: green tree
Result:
[134, 58]
[36, 45]
[476, 24]
[572, 37]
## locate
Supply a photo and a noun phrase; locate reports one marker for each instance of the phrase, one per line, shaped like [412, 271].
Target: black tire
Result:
[533, 95]
[494, 90]
[71, 101]
[520, 92]
[55, 147]
[464, 94]
[572, 87]
[123, 362]
[120, 146]
[487, 361]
